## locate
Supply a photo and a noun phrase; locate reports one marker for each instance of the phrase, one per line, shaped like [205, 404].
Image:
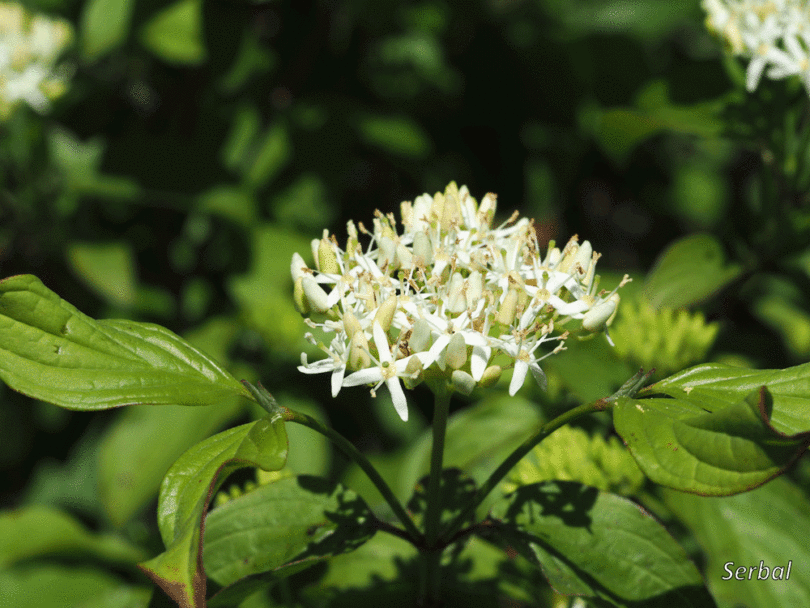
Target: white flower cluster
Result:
[29, 48]
[450, 299]
[773, 34]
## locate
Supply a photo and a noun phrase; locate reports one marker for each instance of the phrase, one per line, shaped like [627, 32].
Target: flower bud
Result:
[462, 382]
[491, 375]
[327, 259]
[299, 301]
[350, 324]
[385, 313]
[508, 309]
[583, 257]
[486, 210]
[456, 301]
[456, 353]
[597, 317]
[475, 288]
[413, 373]
[420, 336]
[422, 249]
[358, 352]
[314, 295]
[388, 249]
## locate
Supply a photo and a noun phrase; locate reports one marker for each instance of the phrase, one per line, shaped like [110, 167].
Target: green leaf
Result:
[265, 292]
[61, 586]
[398, 135]
[104, 26]
[43, 531]
[186, 492]
[108, 268]
[131, 469]
[721, 431]
[51, 351]
[688, 272]
[175, 33]
[770, 525]
[298, 521]
[599, 545]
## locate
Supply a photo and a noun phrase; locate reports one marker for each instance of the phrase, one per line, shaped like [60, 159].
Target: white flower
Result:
[385, 370]
[772, 34]
[29, 46]
[446, 298]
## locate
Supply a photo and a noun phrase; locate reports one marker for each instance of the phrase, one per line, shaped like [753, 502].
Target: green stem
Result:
[523, 449]
[431, 555]
[345, 446]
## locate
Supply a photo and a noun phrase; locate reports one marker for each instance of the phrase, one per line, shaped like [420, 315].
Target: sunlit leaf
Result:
[722, 430]
[51, 351]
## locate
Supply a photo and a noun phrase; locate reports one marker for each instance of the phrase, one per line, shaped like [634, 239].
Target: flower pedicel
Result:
[448, 299]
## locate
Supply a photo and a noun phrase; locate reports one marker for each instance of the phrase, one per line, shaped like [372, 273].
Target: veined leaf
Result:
[186, 492]
[297, 522]
[51, 351]
[599, 545]
[723, 430]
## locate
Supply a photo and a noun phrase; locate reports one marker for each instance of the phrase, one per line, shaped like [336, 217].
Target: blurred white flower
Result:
[449, 299]
[774, 35]
[30, 45]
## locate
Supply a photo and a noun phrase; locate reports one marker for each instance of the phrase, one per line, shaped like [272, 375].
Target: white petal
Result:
[519, 375]
[398, 397]
[478, 363]
[370, 375]
[337, 379]
[436, 350]
[381, 341]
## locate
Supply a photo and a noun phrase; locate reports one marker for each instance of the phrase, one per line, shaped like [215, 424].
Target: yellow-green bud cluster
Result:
[447, 297]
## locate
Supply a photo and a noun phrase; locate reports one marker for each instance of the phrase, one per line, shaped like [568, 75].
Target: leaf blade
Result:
[52, 351]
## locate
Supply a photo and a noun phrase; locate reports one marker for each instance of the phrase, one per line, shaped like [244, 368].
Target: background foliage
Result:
[201, 143]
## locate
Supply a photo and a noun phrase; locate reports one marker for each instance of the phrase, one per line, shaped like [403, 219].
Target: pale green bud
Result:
[350, 324]
[413, 373]
[456, 301]
[299, 301]
[456, 353]
[508, 309]
[314, 295]
[451, 210]
[475, 288]
[388, 249]
[327, 258]
[583, 256]
[597, 317]
[420, 336]
[352, 241]
[404, 257]
[486, 210]
[422, 249]
[358, 352]
[462, 382]
[491, 375]
[385, 313]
